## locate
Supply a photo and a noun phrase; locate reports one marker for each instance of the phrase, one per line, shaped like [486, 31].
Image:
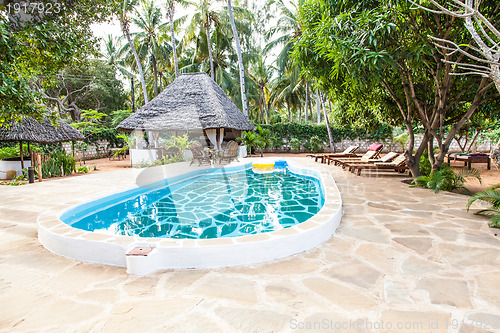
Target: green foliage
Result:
[102, 133]
[40, 49]
[118, 116]
[16, 96]
[82, 169]
[249, 139]
[445, 179]
[314, 144]
[295, 143]
[264, 139]
[277, 142]
[180, 142]
[424, 164]
[402, 139]
[490, 196]
[10, 152]
[305, 132]
[165, 160]
[58, 164]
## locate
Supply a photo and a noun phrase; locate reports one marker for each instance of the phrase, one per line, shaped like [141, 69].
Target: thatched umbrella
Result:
[192, 102]
[30, 130]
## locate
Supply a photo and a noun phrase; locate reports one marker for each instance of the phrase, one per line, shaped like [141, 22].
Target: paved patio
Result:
[402, 260]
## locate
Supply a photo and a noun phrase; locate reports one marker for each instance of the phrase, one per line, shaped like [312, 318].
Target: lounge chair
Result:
[349, 152]
[370, 154]
[373, 152]
[384, 159]
[398, 164]
[199, 154]
[230, 152]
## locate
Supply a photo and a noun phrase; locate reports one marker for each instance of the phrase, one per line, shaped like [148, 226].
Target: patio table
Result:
[468, 159]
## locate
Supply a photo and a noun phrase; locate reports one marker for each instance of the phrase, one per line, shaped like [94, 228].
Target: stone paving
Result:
[402, 260]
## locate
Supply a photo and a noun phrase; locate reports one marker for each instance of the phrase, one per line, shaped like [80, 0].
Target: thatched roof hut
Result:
[192, 102]
[30, 130]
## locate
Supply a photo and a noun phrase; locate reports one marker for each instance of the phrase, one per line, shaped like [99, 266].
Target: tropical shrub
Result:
[249, 139]
[492, 197]
[402, 139]
[58, 164]
[82, 169]
[277, 142]
[264, 139]
[314, 144]
[445, 179]
[180, 142]
[424, 164]
[11, 152]
[295, 143]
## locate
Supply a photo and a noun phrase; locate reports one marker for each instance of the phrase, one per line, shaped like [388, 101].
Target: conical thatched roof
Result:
[30, 130]
[193, 101]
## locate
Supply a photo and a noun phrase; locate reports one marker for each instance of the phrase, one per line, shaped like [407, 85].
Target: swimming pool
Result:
[222, 203]
[250, 242]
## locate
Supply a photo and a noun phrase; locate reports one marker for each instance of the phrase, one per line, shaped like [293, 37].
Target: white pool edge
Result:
[60, 238]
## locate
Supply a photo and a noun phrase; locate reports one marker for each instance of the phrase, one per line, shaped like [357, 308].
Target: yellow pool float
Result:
[263, 167]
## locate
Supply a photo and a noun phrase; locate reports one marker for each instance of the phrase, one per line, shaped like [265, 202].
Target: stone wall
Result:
[486, 146]
[93, 150]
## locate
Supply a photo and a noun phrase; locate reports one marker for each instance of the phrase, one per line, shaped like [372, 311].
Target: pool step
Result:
[140, 259]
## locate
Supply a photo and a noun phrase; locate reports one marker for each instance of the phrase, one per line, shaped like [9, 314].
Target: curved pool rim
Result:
[62, 239]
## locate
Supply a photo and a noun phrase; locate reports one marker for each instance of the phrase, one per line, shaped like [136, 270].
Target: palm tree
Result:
[204, 17]
[149, 21]
[240, 59]
[261, 74]
[113, 55]
[170, 13]
[125, 25]
[288, 27]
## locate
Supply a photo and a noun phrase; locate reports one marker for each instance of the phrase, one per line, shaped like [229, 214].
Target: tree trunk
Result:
[172, 36]
[209, 46]
[300, 114]
[318, 106]
[126, 32]
[264, 104]
[330, 137]
[240, 60]
[132, 97]
[307, 100]
[155, 75]
[289, 113]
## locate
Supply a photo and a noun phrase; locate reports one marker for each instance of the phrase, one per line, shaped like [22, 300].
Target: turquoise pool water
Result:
[220, 203]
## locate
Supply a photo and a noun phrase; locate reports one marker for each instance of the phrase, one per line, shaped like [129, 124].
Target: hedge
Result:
[305, 132]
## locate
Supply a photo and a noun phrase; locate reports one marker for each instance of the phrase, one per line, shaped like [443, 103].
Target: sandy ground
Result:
[489, 177]
[404, 257]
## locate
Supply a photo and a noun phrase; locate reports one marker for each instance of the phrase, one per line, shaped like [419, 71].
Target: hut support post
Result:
[220, 139]
[73, 148]
[21, 151]
[31, 155]
[39, 166]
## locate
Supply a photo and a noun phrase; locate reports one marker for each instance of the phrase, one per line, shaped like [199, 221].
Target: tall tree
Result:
[126, 7]
[354, 48]
[240, 59]
[148, 19]
[484, 32]
[204, 17]
[41, 48]
[261, 75]
[284, 33]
